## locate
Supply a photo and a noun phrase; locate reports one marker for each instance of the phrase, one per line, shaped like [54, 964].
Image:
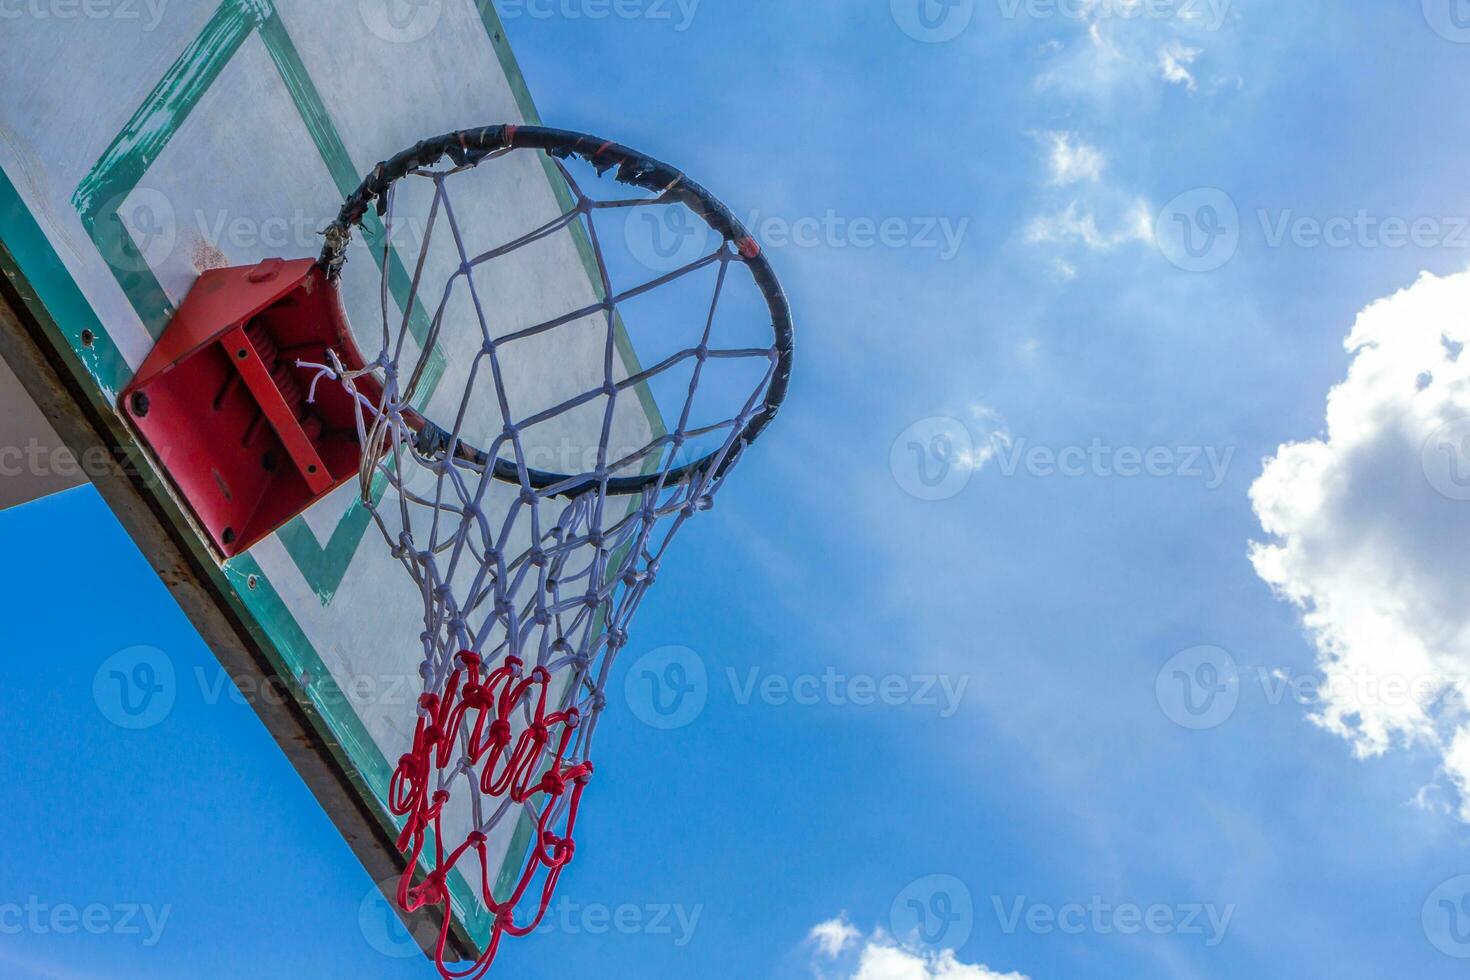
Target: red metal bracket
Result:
[221, 401]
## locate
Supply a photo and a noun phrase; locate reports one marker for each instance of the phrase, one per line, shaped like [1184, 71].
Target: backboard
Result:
[137, 152]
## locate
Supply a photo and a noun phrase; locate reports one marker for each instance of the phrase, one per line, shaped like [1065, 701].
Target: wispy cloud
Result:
[993, 435]
[1070, 160]
[842, 952]
[1174, 61]
[1078, 224]
[835, 936]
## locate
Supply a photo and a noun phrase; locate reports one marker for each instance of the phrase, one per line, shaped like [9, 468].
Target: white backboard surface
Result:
[137, 152]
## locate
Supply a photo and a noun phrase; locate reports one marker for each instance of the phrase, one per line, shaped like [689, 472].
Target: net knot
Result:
[500, 732]
[431, 892]
[553, 784]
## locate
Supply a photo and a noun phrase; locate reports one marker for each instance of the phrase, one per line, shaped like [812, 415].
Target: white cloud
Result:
[1128, 48]
[841, 947]
[1457, 764]
[834, 936]
[1174, 59]
[1371, 528]
[1078, 224]
[994, 434]
[1071, 160]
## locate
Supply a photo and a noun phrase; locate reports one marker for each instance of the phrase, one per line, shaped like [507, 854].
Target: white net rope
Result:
[528, 579]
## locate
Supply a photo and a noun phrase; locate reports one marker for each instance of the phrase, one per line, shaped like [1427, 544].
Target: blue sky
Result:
[1107, 689]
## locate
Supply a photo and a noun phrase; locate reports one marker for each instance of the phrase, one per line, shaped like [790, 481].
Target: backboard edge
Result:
[198, 586]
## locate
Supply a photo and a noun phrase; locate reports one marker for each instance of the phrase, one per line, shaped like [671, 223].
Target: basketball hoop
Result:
[530, 574]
